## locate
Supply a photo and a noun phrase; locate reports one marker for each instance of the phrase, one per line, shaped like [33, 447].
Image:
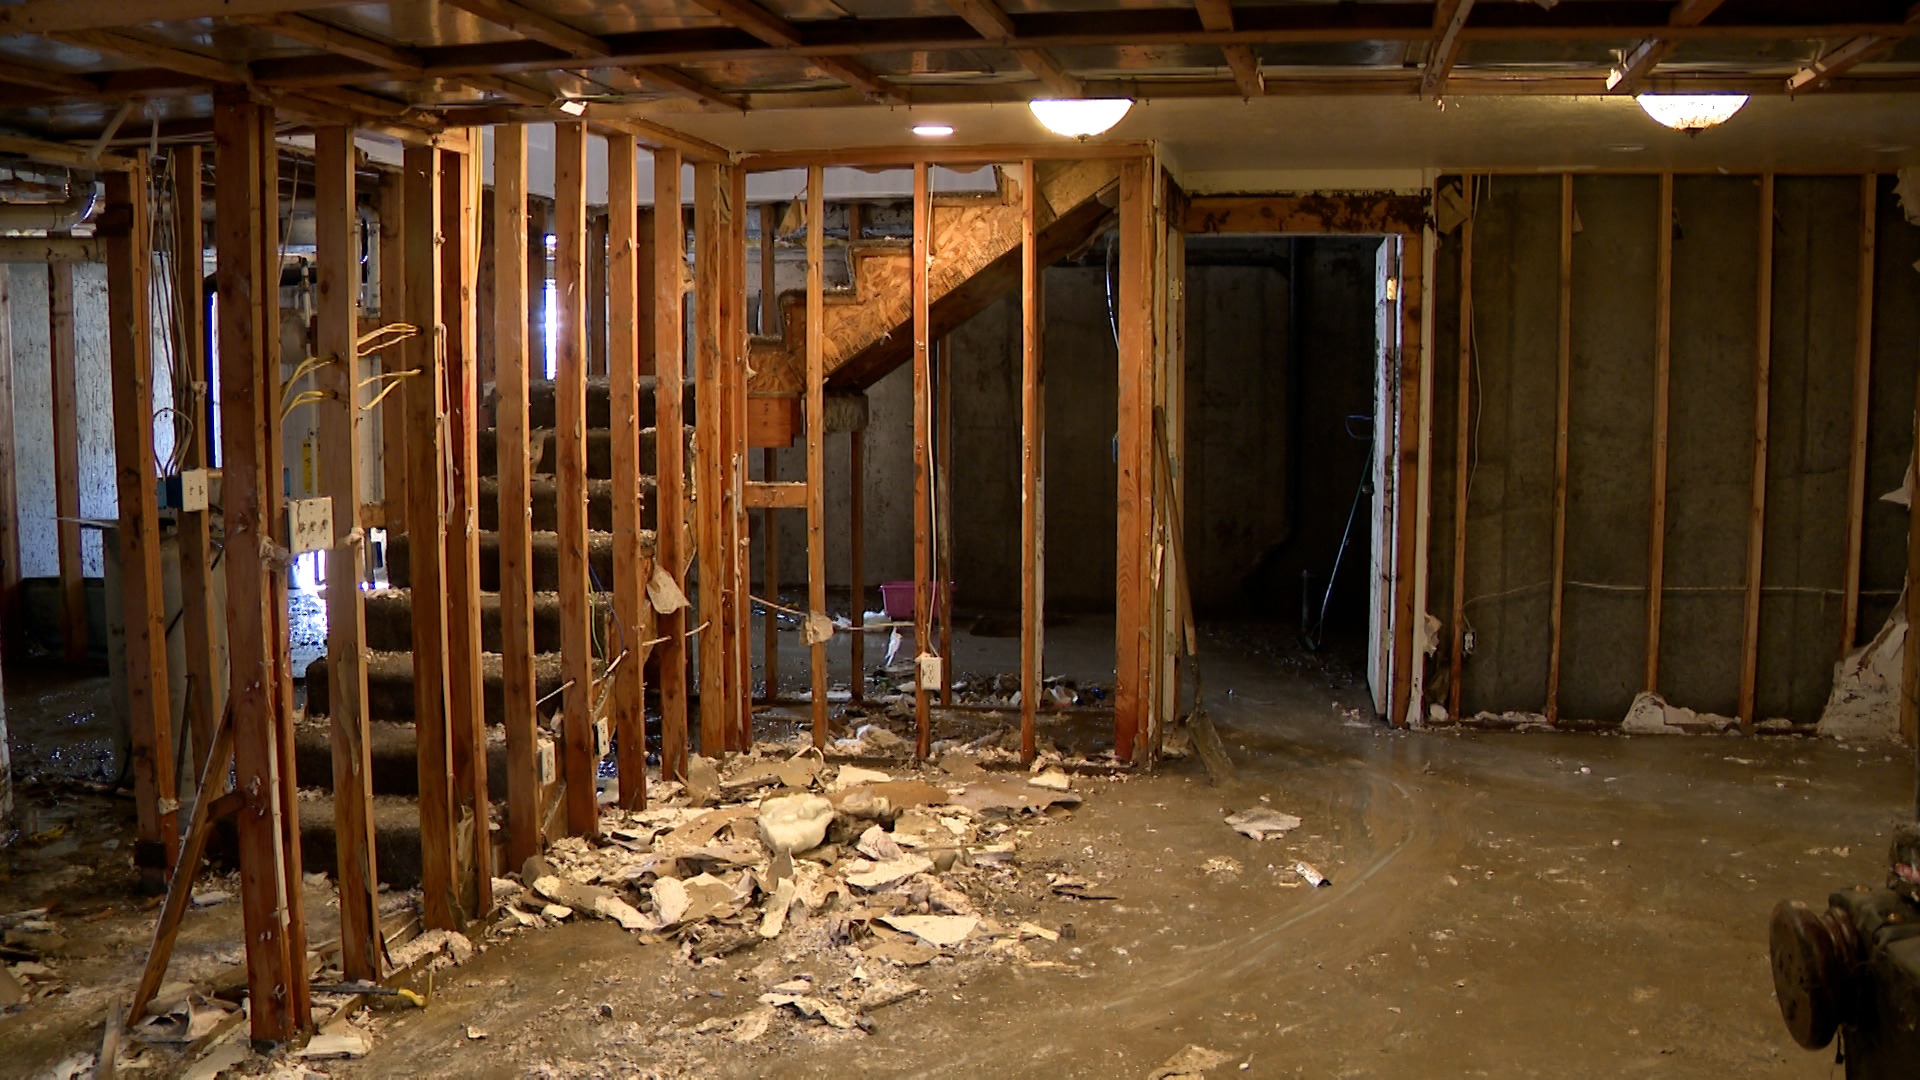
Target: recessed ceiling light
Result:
[933, 131]
[1692, 112]
[1079, 118]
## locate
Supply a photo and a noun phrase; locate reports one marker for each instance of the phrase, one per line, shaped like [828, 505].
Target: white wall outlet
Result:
[549, 765]
[309, 525]
[602, 738]
[193, 490]
[929, 671]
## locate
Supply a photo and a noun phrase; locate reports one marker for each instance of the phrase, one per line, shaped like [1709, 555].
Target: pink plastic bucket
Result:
[896, 598]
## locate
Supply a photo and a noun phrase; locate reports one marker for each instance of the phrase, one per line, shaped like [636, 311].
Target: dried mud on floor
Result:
[1498, 905]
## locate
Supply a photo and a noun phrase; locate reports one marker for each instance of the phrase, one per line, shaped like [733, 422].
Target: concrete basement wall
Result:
[1714, 306]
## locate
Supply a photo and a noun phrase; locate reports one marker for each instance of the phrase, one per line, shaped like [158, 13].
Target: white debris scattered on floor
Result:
[1263, 823]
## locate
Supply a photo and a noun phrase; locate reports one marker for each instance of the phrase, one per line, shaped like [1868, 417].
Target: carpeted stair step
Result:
[396, 837]
[545, 492]
[396, 769]
[546, 452]
[390, 685]
[546, 560]
[541, 411]
[390, 620]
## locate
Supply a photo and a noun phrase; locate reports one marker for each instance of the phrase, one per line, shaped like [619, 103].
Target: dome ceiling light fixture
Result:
[1692, 113]
[1079, 118]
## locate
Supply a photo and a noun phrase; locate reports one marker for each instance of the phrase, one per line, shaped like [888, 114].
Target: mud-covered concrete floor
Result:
[1501, 905]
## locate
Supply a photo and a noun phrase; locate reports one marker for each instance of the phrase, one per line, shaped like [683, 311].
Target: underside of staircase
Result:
[389, 628]
[976, 259]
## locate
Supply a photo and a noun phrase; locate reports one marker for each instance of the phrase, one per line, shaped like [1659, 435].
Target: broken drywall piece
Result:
[1652, 714]
[818, 628]
[1907, 190]
[1864, 704]
[664, 594]
[940, 930]
[794, 823]
[1190, 1064]
[1262, 823]
[1450, 208]
[1902, 495]
[873, 877]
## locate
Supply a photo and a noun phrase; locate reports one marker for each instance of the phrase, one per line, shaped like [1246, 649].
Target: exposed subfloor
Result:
[1501, 905]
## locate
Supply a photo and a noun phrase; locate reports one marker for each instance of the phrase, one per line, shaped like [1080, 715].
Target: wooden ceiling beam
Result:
[781, 34]
[1449, 20]
[46, 16]
[680, 84]
[1838, 61]
[992, 22]
[17, 74]
[309, 31]
[1055, 78]
[161, 56]
[1638, 62]
[1217, 17]
[535, 26]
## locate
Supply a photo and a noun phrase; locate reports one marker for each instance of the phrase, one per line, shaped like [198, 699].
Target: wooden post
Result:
[857, 542]
[1662, 398]
[770, 577]
[623, 375]
[816, 442]
[923, 645]
[337, 252]
[66, 460]
[1031, 419]
[1407, 486]
[9, 495]
[426, 481]
[206, 698]
[243, 158]
[129, 250]
[393, 309]
[1757, 511]
[1910, 652]
[1563, 413]
[597, 231]
[670, 516]
[466, 701]
[1135, 354]
[943, 511]
[739, 537]
[1462, 448]
[570, 396]
[708, 307]
[516, 527]
[1862, 393]
[486, 352]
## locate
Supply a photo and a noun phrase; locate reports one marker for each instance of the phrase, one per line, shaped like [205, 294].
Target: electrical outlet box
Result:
[193, 490]
[1467, 642]
[309, 525]
[602, 738]
[929, 671]
[549, 764]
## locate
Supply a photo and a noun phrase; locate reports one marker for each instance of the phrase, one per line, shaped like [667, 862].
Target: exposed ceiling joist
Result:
[1638, 62]
[533, 25]
[781, 34]
[680, 84]
[1820, 74]
[1449, 19]
[1217, 16]
[160, 56]
[60, 83]
[360, 102]
[320, 35]
[517, 92]
[992, 22]
[45, 16]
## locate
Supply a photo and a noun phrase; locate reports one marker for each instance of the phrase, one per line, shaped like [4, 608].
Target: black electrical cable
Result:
[1313, 636]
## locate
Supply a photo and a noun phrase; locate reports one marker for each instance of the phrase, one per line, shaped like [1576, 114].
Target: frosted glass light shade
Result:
[1692, 112]
[1079, 118]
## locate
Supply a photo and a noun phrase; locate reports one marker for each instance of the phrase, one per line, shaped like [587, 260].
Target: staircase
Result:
[976, 251]
[389, 633]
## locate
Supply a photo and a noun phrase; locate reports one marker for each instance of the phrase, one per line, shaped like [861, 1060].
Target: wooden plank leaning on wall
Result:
[524, 810]
[338, 309]
[670, 515]
[816, 448]
[709, 230]
[1031, 419]
[1662, 406]
[623, 395]
[1463, 400]
[1762, 385]
[243, 157]
[206, 695]
[129, 244]
[923, 643]
[466, 693]
[570, 436]
[426, 550]
[65, 393]
[1562, 431]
